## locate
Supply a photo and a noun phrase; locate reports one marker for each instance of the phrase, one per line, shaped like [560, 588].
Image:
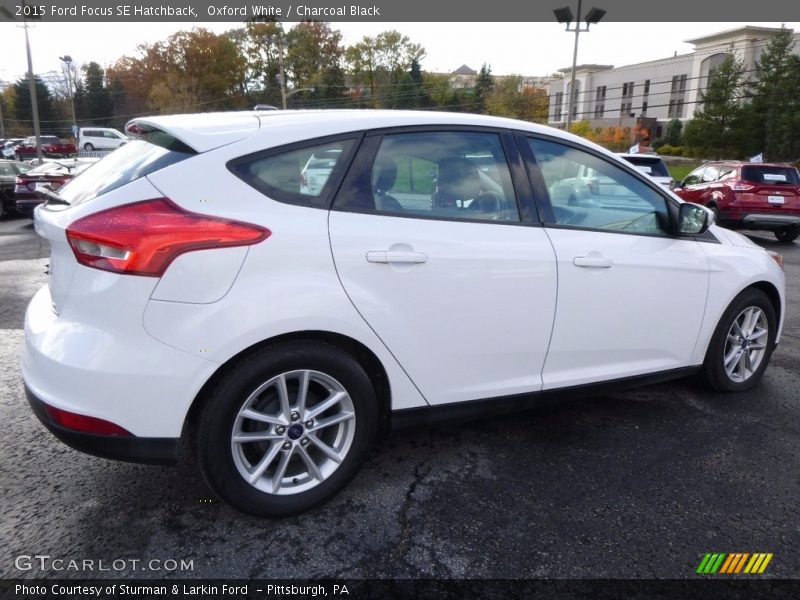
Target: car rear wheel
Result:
[742, 343]
[286, 428]
[788, 235]
[88, 147]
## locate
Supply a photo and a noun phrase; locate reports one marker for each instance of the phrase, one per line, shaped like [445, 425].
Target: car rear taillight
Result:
[145, 237]
[84, 424]
[740, 186]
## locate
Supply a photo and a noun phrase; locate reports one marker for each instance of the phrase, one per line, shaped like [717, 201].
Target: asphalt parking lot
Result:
[639, 484]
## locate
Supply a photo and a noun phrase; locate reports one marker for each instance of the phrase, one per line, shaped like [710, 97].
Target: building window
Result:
[627, 99]
[600, 102]
[677, 96]
[644, 109]
[646, 87]
[558, 104]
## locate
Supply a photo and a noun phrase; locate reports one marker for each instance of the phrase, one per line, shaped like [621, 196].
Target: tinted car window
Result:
[655, 165]
[587, 191]
[445, 174]
[296, 176]
[770, 175]
[48, 139]
[130, 162]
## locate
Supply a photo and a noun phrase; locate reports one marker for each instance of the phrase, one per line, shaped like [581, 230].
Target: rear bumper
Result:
[765, 221]
[156, 451]
[120, 375]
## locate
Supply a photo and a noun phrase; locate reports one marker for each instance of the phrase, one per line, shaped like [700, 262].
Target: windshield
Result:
[130, 162]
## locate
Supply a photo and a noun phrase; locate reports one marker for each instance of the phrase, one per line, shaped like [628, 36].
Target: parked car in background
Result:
[744, 195]
[652, 165]
[9, 146]
[197, 288]
[9, 170]
[50, 175]
[316, 171]
[100, 138]
[52, 147]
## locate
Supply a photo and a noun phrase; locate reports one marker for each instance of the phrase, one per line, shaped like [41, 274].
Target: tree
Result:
[673, 134]
[97, 98]
[200, 70]
[22, 104]
[511, 99]
[484, 86]
[314, 58]
[378, 64]
[715, 127]
[772, 119]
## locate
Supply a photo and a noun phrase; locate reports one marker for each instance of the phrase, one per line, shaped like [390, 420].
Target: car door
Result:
[631, 295]
[691, 188]
[435, 241]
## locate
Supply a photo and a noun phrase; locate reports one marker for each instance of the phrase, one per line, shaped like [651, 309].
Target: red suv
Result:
[747, 195]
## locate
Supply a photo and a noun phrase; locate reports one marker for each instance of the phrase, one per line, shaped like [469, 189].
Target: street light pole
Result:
[564, 15]
[67, 60]
[574, 65]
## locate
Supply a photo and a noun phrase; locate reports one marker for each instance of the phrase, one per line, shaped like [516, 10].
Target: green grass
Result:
[678, 172]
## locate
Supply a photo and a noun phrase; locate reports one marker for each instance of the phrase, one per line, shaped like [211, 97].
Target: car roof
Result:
[744, 163]
[627, 155]
[206, 131]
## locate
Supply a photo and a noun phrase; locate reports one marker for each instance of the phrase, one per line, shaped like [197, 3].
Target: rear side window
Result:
[302, 176]
[651, 166]
[130, 162]
[770, 175]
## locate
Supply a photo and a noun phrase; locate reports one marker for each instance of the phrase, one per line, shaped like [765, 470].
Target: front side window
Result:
[694, 177]
[296, 176]
[445, 174]
[589, 192]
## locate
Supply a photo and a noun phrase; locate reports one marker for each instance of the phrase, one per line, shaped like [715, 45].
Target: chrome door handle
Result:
[592, 262]
[385, 256]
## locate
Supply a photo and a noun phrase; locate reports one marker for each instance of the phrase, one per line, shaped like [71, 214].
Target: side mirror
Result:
[694, 219]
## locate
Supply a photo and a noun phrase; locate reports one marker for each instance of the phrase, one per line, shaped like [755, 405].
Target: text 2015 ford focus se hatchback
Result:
[444, 265]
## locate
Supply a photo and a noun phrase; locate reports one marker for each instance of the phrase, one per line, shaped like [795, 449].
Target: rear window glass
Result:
[126, 164]
[50, 139]
[300, 176]
[651, 166]
[771, 175]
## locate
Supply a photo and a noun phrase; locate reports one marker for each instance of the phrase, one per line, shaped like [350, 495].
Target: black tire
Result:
[714, 372]
[215, 427]
[788, 235]
[88, 147]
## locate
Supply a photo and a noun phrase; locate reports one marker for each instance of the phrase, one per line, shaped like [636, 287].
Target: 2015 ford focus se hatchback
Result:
[441, 264]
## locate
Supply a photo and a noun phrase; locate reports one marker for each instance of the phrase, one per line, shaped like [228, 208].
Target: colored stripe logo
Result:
[734, 563]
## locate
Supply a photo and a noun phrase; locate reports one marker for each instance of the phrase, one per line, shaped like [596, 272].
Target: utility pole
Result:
[282, 74]
[34, 104]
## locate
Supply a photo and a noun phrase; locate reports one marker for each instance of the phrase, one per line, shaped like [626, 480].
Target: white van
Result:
[100, 138]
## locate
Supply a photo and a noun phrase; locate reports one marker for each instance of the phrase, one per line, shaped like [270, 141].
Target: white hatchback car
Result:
[197, 289]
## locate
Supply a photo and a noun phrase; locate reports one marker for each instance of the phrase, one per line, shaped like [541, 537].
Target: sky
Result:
[510, 48]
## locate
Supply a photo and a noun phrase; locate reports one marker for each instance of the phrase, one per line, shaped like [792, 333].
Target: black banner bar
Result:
[366, 589]
[197, 11]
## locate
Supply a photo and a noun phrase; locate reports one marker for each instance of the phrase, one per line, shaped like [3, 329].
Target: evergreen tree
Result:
[715, 127]
[22, 106]
[98, 103]
[773, 117]
[484, 86]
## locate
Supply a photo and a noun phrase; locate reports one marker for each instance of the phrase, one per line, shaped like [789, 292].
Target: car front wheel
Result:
[788, 235]
[742, 343]
[88, 147]
[286, 428]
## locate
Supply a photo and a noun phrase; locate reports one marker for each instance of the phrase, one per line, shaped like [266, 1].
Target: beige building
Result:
[662, 89]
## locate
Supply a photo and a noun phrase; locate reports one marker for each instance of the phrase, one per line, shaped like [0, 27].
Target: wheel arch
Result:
[772, 293]
[365, 357]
